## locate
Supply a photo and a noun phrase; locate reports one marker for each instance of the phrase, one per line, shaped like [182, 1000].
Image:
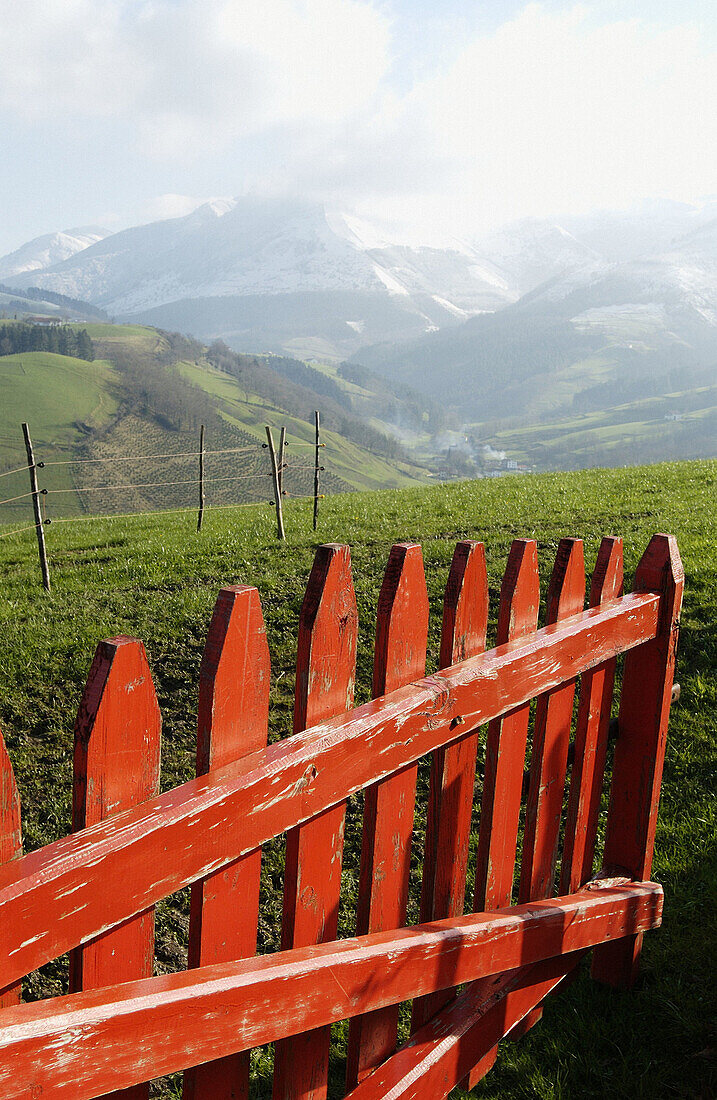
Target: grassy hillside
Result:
[145, 394]
[157, 579]
[682, 424]
[64, 400]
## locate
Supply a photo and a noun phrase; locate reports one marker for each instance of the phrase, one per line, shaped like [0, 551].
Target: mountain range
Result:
[540, 318]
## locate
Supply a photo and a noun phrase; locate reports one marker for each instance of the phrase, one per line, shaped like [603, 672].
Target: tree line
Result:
[61, 339]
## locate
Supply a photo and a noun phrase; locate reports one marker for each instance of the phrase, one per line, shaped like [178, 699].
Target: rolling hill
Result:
[146, 394]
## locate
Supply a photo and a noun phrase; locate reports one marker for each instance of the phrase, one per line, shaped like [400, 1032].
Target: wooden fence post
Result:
[640, 749]
[551, 741]
[200, 516]
[450, 799]
[316, 470]
[505, 756]
[325, 674]
[10, 842]
[399, 658]
[39, 528]
[277, 487]
[234, 684]
[116, 766]
[591, 733]
[281, 458]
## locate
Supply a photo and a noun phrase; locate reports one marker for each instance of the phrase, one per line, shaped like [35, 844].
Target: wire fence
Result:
[103, 501]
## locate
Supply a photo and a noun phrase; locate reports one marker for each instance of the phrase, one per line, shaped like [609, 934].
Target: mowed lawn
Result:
[155, 578]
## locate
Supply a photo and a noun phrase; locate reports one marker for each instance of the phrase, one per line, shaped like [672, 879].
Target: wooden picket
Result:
[233, 721]
[10, 843]
[325, 674]
[399, 658]
[116, 765]
[450, 798]
[93, 892]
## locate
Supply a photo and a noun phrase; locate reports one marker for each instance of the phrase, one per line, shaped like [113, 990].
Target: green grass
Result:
[56, 395]
[157, 579]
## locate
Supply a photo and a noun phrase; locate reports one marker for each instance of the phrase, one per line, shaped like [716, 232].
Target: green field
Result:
[155, 578]
[78, 409]
[679, 423]
[63, 399]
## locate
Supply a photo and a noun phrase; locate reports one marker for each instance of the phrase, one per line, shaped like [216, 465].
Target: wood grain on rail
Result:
[79, 1046]
[49, 900]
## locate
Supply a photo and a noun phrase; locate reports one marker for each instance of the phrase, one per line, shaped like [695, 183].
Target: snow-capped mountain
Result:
[45, 251]
[594, 324]
[209, 273]
[531, 251]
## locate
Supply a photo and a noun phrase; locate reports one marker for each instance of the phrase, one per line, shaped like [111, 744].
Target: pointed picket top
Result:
[566, 591]
[325, 676]
[117, 734]
[401, 620]
[233, 717]
[328, 632]
[465, 605]
[10, 840]
[233, 680]
[660, 570]
[607, 578]
[519, 592]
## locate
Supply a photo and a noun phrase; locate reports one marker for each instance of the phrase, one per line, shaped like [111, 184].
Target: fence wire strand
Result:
[22, 496]
[19, 470]
[144, 458]
[150, 484]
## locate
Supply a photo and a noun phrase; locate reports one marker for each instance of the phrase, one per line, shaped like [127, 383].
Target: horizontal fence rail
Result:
[157, 848]
[469, 978]
[229, 1007]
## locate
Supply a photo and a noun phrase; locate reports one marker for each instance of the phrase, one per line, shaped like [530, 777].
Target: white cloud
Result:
[193, 75]
[555, 111]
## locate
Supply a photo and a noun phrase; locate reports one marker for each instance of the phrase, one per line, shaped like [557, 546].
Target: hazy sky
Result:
[442, 114]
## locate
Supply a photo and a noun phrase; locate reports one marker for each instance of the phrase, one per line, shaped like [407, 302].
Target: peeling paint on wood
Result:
[76, 1046]
[233, 716]
[399, 658]
[151, 851]
[450, 800]
[325, 675]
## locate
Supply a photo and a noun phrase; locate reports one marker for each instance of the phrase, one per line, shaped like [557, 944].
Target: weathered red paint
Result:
[450, 799]
[399, 658]
[591, 732]
[149, 852]
[640, 749]
[325, 675]
[506, 741]
[75, 1047]
[437, 1057]
[551, 738]
[10, 842]
[551, 741]
[505, 756]
[233, 715]
[116, 766]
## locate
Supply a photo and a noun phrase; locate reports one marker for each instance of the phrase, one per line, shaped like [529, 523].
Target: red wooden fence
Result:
[472, 976]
